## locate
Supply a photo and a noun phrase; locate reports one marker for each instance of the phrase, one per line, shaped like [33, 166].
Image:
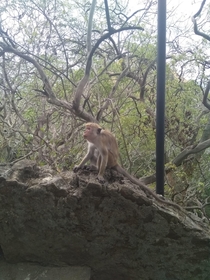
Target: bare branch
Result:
[200, 10]
[179, 159]
[84, 80]
[205, 97]
[200, 206]
[114, 88]
[44, 78]
[90, 23]
[195, 23]
[191, 150]
[107, 15]
[47, 87]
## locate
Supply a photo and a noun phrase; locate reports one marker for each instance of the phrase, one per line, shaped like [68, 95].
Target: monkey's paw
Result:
[90, 167]
[101, 179]
[76, 168]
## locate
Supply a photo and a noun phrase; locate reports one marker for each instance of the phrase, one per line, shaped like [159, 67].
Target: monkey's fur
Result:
[103, 152]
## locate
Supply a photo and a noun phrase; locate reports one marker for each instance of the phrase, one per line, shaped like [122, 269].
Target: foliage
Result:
[52, 80]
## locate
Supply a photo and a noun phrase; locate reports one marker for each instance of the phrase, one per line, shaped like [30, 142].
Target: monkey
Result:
[94, 153]
[102, 149]
[103, 152]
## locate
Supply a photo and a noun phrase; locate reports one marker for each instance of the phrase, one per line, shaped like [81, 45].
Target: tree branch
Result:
[200, 10]
[84, 80]
[199, 33]
[47, 87]
[107, 15]
[179, 159]
[90, 24]
[205, 97]
[191, 150]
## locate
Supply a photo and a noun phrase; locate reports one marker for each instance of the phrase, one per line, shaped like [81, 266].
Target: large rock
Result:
[115, 229]
[27, 271]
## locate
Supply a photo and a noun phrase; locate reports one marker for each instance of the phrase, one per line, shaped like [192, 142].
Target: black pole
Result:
[160, 110]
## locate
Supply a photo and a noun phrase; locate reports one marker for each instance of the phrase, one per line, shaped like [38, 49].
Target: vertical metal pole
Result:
[160, 110]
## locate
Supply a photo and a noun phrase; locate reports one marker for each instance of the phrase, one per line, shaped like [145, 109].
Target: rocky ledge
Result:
[115, 230]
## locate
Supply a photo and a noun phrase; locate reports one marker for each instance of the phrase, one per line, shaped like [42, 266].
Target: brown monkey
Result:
[103, 152]
[102, 149]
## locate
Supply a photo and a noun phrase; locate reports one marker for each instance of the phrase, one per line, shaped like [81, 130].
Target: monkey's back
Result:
[110, 142]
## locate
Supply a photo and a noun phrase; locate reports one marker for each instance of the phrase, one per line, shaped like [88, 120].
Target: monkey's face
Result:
[89, 133]
[92, 132]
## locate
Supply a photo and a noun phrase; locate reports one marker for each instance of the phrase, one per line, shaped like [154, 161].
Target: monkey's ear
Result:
[99, 130]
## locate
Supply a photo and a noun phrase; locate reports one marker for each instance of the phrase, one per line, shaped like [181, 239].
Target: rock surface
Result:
[27, 271]
[66, 219]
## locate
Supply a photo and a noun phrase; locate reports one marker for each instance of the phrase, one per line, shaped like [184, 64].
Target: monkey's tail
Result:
[122, 171]
[145, 188]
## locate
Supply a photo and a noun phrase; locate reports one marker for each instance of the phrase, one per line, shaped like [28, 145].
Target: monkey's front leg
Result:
[77, 168]
[90, 167]
[82, 163]
[90, 156]
[101, 164]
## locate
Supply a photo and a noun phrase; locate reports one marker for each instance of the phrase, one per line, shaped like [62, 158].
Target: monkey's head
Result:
[92, 130]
